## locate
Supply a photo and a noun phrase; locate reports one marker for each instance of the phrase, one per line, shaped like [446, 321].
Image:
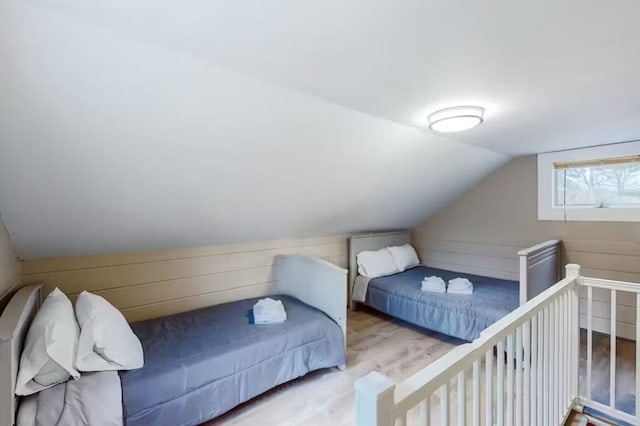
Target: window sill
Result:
[590, 214]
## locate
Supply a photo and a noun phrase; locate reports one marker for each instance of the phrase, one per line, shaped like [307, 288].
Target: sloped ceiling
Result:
[552, 74]
[143, 124]
[111, 143]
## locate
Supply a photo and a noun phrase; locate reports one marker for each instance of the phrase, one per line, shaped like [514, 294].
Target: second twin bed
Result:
[462, 316]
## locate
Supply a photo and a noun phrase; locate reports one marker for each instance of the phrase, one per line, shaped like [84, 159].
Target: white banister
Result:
[531, 363]
[637, 353]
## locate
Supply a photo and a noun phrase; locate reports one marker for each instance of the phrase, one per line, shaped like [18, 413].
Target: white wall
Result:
[109, 144]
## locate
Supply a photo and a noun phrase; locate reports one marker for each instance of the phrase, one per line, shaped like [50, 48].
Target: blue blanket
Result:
[202, 363]
[461, 316]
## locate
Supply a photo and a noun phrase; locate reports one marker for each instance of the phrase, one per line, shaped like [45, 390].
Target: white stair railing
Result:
[522, 370]
[614, 288]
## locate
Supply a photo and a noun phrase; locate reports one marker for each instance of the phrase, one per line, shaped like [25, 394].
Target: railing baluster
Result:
[488, 390]
[510, 355]
[612, 362]
[568, 356]
[518, 389]
[425, 412]
[444, 404]
[401, 420]
[562, 356]
[534, 370]
[573, 271]
[555, 361]
[547, 367]
[637, 354]
[540, 371]
[500, 383]
[565, 361]
[527, 372]
[574, 375]
[462, 399]
[589, 339]
[476, 393]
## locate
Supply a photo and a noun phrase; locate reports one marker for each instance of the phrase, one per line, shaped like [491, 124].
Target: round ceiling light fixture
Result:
[456, 119]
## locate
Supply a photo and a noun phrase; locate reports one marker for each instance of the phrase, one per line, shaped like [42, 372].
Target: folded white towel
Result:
[460, 286]
[434, 284]
[269, 311]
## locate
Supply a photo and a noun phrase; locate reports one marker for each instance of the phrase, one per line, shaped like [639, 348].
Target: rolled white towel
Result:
[460, 286]
[269, 311]
[434, 284]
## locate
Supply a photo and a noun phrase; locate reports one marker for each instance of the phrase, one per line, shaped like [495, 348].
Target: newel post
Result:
[573, 271]
[375, 400]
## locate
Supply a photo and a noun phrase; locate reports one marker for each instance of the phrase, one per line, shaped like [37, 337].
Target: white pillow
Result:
[377, 263]
[404, 256]
[106, 339]
[49, 352]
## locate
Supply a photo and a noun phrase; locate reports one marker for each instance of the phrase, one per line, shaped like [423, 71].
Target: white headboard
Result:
[315, 282]
[14, 324]
[372, 241]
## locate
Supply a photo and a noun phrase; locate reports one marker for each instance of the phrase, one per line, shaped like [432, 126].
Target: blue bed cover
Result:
[202, 363]
[461, 316]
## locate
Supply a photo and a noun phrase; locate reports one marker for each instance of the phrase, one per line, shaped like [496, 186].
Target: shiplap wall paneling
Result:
[498, 216]
[488, 259]
[151, 284]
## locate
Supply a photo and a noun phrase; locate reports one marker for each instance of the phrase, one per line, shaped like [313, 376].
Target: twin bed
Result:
[462, 316]
[202, 363]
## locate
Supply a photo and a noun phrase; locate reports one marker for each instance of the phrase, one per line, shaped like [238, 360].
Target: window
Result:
[600, 183]
[607, 182]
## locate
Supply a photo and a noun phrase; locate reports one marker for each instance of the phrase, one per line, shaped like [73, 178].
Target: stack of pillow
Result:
[387, 261]
[61, 343]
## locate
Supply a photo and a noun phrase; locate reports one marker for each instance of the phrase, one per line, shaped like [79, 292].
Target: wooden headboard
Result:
[14, 324]
[372, 241]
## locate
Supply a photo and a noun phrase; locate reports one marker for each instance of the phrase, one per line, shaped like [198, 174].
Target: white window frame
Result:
[546, 208]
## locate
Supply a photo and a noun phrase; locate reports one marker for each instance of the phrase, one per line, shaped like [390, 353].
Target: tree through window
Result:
[610, 182]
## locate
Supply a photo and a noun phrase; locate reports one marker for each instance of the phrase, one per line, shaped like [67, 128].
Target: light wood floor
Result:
[375, 342]
[396, 349]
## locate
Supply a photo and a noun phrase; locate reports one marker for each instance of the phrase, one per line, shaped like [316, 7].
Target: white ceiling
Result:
[110, 143]
[552, 74]
[143, 124]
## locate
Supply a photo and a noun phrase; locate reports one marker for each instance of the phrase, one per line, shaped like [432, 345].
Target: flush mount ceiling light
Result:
[456, 119]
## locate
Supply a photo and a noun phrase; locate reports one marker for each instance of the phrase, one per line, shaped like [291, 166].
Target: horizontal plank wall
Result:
[9, 266]
[151, 284]
[481, 231]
